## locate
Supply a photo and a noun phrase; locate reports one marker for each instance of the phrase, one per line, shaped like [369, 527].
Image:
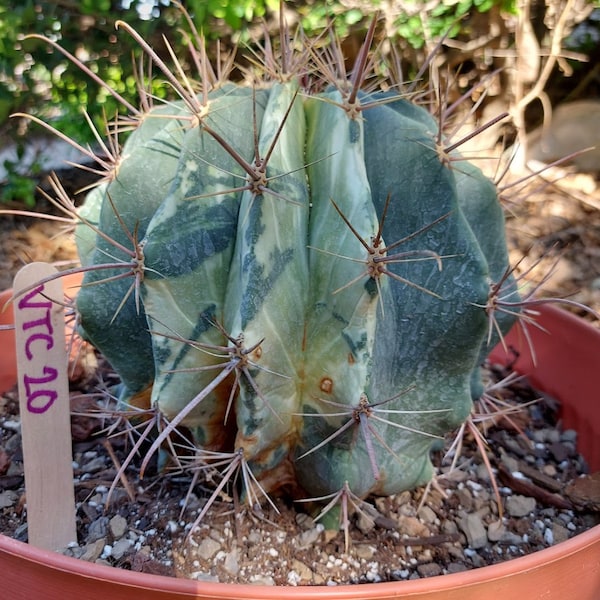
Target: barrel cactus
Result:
[312, 266]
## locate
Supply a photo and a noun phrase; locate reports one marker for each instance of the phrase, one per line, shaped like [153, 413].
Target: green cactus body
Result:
[143, 178]
[434, 346]
[188, 249]
[341, 370]
[267, 290]
[418, 339]
[343, 300]
[478, 202]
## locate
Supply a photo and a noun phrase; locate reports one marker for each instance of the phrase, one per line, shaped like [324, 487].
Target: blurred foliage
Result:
[445, 18]
[38, 79]
[19, 186]
[586, 36]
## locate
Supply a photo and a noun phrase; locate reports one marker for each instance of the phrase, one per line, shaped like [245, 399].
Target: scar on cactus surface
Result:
[295, 270]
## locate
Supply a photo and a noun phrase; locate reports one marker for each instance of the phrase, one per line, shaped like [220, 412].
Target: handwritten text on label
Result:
[37, 325]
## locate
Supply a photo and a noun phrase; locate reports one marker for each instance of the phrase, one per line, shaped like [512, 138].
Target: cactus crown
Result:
[297, 271]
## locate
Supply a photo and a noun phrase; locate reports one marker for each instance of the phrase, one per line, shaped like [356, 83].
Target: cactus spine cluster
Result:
[312, 272]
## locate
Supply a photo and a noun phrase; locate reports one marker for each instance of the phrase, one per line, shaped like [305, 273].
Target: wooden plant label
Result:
[44, 407]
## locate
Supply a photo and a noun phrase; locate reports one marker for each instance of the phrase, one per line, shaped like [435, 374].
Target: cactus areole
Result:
[312, 274]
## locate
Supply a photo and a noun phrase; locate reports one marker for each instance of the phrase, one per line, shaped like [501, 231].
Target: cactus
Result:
[312, 270]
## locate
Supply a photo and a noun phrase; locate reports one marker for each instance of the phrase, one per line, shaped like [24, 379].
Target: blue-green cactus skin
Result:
[354, 369]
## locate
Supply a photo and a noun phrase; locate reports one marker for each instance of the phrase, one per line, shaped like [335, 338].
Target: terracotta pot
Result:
[568, 359]
[8, 365]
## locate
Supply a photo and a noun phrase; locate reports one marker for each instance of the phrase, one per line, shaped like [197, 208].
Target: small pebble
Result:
[302, 571]
[472, 527]
[560, 452]
[560, 533]
[293, 578]
[208, 548]
[261, 580]
[449, 526]
[120, 547]
[11, 425]
[510, 463]
[98, 529]
[92, 551]
[118, 526]
[231, 562]
[412, 527]
[427, 515]
[519, 506]
[307, 538]
[202, 576]
[365, 551]
[429, 570]
[495, 531]
[365, 523]
[305, 521]
[95, 465]
[253, 538]
[456, 567]
[569, 435]
[8, 498]
[172, 527]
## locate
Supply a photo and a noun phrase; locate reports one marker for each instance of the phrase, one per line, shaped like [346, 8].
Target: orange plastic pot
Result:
[8, 364]
[568, 359]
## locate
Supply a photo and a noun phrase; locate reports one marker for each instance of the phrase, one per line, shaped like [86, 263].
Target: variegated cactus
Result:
[312, 277]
